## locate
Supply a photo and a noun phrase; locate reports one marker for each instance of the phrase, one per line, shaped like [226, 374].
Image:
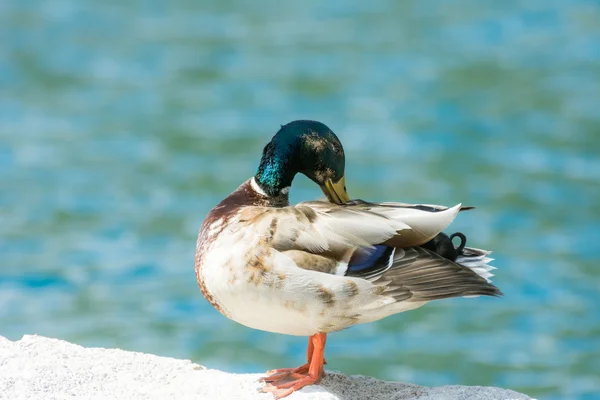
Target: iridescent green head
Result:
[308, 147]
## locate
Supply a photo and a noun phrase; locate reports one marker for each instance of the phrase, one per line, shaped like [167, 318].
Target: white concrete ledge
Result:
[36, 367]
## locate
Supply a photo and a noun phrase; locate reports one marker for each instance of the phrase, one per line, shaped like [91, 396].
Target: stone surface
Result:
[36, 367]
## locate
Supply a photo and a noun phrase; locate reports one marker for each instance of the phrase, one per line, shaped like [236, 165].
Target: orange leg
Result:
[283, 382]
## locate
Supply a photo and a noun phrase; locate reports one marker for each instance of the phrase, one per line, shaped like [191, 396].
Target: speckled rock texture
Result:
[36, 367]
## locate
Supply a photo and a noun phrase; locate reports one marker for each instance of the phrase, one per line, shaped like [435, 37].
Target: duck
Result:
[317, 267]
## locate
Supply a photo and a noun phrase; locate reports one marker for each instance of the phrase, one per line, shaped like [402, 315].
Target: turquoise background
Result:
[123, 123]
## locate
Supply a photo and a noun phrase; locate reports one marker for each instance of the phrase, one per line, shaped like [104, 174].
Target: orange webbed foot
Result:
[285, 381]
[284, 387]
[281, 373]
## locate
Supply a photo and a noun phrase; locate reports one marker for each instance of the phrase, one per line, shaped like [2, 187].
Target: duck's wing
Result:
[421, 275]
[353, 241]
[322, 227]
[412, 273]
[415, 224]
[424, 220]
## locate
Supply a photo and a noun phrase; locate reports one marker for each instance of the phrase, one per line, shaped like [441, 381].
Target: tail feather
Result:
[478, 261]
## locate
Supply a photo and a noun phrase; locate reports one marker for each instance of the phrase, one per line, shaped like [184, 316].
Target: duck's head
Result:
[308, 147]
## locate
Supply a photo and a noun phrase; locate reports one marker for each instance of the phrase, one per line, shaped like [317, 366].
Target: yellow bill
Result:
[336, 192]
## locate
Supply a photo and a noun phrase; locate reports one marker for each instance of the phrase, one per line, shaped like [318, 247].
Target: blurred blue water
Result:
[123, 123]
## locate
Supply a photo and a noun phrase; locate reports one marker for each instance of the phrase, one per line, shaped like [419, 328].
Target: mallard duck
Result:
[321, 266]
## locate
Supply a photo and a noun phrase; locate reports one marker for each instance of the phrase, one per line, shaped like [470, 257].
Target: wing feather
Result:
[323, 237]
[423, 275]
